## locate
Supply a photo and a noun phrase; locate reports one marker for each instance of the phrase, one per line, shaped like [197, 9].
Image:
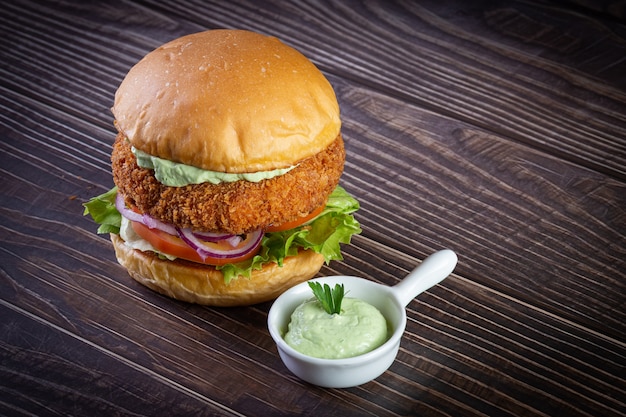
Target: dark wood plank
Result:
[600, 8]
[45, 367]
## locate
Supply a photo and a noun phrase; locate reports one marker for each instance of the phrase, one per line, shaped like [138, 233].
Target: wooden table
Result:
[494, 128]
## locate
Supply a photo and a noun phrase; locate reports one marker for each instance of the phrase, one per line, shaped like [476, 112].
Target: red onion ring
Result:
[215, 237]
[252, 241]
[144, 219]
[120, 205]
[234, 241]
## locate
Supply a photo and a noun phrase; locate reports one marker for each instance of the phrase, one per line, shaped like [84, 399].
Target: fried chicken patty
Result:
[236, 207]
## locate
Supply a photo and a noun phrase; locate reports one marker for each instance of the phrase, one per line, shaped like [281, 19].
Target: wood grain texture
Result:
[497, 129]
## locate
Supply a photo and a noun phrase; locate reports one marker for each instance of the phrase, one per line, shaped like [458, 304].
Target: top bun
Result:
[228, 101]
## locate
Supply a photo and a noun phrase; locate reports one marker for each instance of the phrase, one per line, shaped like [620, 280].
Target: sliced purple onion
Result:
[153, 223]
[234, 241]
[120, 205]
[144, 219]
[252, 241]
[214, 237]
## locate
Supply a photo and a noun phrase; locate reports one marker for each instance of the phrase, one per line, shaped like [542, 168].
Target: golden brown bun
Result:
[195, 283]
[229, 101]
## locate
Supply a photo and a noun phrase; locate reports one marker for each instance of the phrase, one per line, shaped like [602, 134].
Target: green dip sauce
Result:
[359, 328]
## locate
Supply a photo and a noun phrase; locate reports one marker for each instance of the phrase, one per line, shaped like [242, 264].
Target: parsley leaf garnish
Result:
[329, 298]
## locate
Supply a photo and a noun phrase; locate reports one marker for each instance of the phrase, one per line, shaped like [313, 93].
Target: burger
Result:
[226, 168]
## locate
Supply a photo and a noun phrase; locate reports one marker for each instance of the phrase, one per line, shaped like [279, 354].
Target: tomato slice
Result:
[297, 222]
[175, 246]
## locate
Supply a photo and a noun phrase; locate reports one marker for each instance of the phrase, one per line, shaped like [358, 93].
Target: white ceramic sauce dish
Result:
[391, 301]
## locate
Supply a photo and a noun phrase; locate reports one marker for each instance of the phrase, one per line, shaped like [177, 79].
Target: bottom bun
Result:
[195, 283]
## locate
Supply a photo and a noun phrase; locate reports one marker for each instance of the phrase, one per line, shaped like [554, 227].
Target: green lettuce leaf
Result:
[102, 210]
[334, 226]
